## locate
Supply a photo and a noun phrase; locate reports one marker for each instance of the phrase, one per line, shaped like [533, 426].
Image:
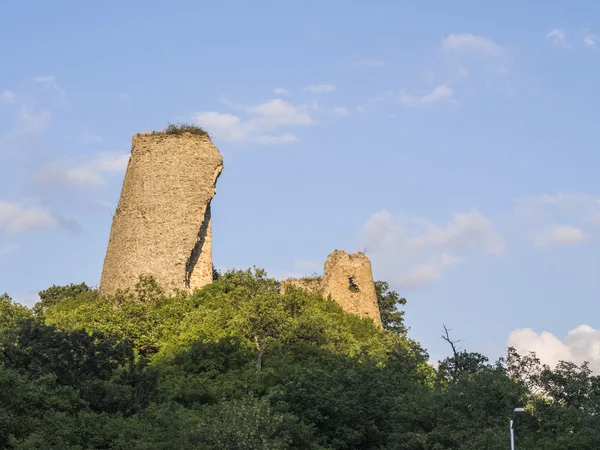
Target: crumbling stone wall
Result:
[162, 226]
[348, 280]
[312, 284]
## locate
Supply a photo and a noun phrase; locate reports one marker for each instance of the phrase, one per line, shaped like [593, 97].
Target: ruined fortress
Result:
[348, 280]
[162, 226]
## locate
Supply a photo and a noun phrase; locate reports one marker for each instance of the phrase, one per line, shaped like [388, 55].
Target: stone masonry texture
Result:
[348, 280]
[162, 225]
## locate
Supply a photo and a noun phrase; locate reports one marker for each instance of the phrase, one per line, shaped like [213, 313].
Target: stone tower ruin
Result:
[162, 225]
[348, 280]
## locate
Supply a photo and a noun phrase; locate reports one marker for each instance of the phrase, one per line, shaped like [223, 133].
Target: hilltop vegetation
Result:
[182, 128]
[237, 365]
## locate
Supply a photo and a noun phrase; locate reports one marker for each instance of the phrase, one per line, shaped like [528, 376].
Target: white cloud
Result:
[463, 43]
[442, 93]
[28, 121]
[428, 272]
[439, 94]
[418, 251]
[110, 162]
[261, 122]
[88, 175]
[543, 215]
[320, 88]
[281, 91]
[590, 41]
[465, 230]
[559, 235]
[381, 231]
[49, 81]
[558, 37]
[16, 219]
[471, 54]
[8, 96]
[53, 175]
[581, 344]
[462, 57]
[46, 80]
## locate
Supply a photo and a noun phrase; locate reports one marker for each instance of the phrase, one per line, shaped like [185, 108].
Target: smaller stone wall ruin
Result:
[348, 280]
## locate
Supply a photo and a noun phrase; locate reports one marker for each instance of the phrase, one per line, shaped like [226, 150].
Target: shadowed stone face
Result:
[348, 280]
[162, 226]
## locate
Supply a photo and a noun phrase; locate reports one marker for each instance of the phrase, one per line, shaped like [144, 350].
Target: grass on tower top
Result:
[182, 128]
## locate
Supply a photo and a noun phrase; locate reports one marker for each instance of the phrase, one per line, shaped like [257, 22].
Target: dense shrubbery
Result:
[237, 365]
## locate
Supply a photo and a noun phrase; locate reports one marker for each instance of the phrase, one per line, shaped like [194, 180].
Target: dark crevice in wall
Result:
[197, 250]
[352, 286]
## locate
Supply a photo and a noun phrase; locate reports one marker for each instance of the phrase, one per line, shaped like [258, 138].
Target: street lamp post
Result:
[512, 426]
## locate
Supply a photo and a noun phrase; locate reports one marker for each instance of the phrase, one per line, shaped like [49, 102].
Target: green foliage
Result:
[184, 128]
[11, 312]
[238, 365]
[56, 294]
[391, 317]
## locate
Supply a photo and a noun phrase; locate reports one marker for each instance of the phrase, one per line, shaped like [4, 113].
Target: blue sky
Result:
[455, 142]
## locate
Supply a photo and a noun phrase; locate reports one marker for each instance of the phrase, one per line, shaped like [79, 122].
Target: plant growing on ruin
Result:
[182, 128]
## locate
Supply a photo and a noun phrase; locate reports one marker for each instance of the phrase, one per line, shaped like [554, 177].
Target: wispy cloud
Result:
[470, 53]
[88, 175]
[439, 94]
[8, 97]
[320, 88]
[427, 272]
[464, 43]
[563, 218]
[590, 41]
[463, 58]
[281, 91]
[260, 123]
[415, 251]
[559, 235]
[16, 218]
[49, 81]
[558, 37]
[28, 123]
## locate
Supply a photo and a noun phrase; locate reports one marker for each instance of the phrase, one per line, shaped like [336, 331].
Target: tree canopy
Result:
[238, 365]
